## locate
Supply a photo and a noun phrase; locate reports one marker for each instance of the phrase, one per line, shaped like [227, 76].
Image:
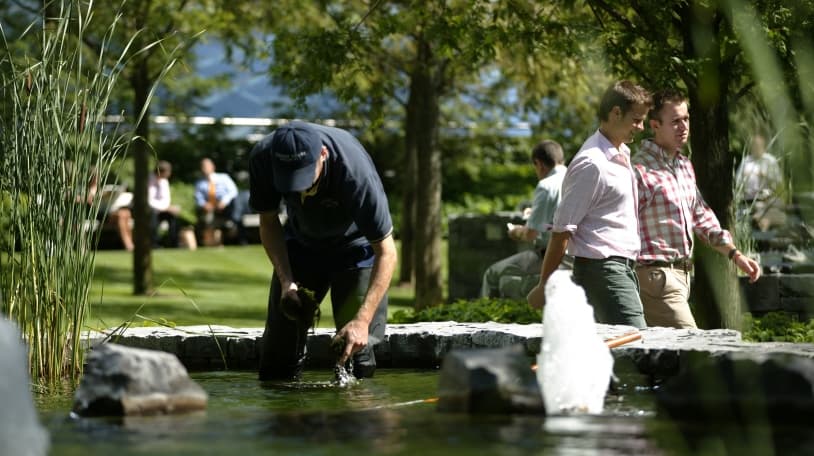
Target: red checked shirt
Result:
[670, 206]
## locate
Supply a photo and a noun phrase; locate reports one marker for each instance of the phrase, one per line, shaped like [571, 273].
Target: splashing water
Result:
[575, 364]
[343, 375]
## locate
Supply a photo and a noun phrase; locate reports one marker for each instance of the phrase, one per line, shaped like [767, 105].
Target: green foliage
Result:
[778, 327]
[476, 311]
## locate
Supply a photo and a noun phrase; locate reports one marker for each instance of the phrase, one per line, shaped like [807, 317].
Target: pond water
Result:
[382, 415]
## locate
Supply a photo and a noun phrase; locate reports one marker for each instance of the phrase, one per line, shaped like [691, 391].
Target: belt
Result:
[617, 259]
[685, 264]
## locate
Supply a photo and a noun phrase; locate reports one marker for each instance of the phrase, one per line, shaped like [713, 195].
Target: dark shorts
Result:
[346, 274]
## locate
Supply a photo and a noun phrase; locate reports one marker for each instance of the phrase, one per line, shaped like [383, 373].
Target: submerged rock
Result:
[121, 381]
[20, 431]
[498, 380]
[740, 387]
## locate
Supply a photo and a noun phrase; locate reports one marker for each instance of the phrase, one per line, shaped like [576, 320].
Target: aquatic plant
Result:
[54, 137]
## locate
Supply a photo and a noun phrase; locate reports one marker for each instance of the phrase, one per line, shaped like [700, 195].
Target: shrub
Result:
[473, 311]
[778, 327]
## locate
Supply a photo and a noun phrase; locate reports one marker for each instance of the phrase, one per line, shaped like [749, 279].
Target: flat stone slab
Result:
[425, 344]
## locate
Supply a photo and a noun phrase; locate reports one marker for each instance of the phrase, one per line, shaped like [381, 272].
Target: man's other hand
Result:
[354, 337]
[536, 297]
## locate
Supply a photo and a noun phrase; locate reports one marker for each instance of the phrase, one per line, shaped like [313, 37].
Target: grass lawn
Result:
[225, 286]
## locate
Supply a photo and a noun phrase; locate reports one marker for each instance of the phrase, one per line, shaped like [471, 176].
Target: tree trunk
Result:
[423, 93]
[142, 253]
[407, 231]
[715, 289]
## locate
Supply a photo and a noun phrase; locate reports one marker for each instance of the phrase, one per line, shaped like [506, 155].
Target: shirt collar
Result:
[609, 149]
[650, 147]
[555, 170]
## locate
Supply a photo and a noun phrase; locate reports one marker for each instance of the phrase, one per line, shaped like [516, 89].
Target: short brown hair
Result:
[548, 152]
[624, 94]
[662, 97]
[164, 166]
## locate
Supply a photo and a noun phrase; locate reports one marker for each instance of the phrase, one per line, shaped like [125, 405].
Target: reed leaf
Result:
[54, 138]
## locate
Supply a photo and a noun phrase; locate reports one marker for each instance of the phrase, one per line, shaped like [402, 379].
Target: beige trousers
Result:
[665, 292]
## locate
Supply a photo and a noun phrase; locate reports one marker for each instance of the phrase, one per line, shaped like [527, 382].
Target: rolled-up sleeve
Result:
[579, 189]
[706, 225]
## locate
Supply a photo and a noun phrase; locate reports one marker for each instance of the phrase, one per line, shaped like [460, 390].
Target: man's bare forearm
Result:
[554, 253]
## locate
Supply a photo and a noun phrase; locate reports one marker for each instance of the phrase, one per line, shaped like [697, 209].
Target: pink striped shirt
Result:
[670, 206]
[598, 204]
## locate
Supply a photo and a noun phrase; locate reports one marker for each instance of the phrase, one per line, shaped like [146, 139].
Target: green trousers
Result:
[612, 288]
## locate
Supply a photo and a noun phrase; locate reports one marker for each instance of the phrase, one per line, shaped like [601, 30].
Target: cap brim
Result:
[287, 180]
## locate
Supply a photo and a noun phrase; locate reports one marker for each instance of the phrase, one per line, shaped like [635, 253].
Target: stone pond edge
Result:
[424, 345]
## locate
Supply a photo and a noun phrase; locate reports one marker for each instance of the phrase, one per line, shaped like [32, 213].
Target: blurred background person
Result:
[515, 276]
[217, 204]
[159, 199]
[760, 180]
[114, 207]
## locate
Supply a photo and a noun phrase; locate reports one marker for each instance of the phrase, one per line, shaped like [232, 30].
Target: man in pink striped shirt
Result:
[671, 209]
[596, 221]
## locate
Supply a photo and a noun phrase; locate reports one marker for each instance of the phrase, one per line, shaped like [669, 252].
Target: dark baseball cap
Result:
[295, 149]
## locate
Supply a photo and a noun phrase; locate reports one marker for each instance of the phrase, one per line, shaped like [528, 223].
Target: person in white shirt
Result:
[159, 199]
[760, 180]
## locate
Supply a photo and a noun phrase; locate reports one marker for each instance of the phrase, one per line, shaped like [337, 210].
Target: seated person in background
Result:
[760, 180]
[158, 197]
[113, 207]
[216, 199]
[515, 276]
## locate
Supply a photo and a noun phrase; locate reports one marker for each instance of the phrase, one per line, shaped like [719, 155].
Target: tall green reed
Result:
[53, 136]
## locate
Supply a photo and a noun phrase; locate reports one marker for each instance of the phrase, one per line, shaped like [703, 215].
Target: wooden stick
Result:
[614, 342]
[623, 339]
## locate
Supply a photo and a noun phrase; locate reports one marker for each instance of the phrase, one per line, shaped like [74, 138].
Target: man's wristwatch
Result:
[732, 253]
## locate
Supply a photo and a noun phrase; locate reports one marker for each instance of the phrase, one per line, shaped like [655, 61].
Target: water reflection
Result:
[386, 415]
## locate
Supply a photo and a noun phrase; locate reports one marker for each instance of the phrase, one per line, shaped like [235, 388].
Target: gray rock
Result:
[489, 381]
[121, 381]
[475, 242]
[20, 430]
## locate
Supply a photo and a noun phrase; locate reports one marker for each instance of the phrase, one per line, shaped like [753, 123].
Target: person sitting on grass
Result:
[161, 209]
[113, 209]
[216, 200]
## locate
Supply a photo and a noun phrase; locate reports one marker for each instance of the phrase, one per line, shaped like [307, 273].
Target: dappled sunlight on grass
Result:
[224, 286]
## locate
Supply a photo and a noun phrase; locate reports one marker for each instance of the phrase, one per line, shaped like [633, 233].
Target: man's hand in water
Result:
[354, 335]
[290, 302]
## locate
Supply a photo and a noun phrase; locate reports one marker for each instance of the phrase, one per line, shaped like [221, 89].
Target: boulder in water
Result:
[496, 380]
[120, 381]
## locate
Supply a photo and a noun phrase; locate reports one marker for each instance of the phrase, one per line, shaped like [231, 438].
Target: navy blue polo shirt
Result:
[349, 207]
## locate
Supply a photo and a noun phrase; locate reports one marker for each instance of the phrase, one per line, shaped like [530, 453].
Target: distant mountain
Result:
[251, 93]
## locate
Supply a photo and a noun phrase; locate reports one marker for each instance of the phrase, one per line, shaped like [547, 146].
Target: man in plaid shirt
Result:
[671, 209]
